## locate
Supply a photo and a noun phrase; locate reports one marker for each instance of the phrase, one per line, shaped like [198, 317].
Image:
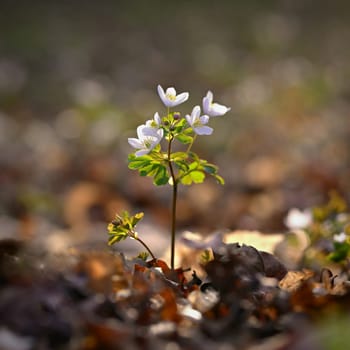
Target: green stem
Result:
[173, 208]
[190, 145]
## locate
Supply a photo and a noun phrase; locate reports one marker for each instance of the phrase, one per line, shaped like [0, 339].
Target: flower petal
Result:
[189, 119]
[142, 152]
[181, 98]
[298, 219]
[210, 96]
[169, 97]
[196, 111]
[160, 133]
[203, 130]
[160, 91]
[170, 91]
[136, 143]
[340, 238]
[157, 118]
[204, 119]
[207, 101]
[161, 94]
[218, 110]
[149, 131]
[213, 109]
[140, 131]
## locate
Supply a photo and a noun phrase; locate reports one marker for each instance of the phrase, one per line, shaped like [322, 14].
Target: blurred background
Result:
[77, 77]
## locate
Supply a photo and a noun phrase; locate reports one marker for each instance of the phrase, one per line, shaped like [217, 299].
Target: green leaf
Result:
[143, 256]
[161, 177]
[194, 156]
[205, 256]
[180, 125]
[193, 176]
[194, 165]
[138, 162]
[185, 139]
[219, 179]
[149, 170]
[155, 150]
[341, 252]
[177, 156]
[197, 176]
[116, 238]
[210, 169]
[123, 227]
[182, 165]
[136, 218]
[186, 180]
[188, 131]
[180, 160]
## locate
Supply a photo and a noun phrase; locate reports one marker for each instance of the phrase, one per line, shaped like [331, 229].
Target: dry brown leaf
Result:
[294, 279]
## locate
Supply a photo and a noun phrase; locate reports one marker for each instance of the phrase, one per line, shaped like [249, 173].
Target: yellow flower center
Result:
[170, 97]
[147, 143]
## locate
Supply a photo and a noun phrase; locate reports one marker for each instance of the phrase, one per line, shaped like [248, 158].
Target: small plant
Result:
[333, 222]
[327, 228]
[164, 165]
[123, 227]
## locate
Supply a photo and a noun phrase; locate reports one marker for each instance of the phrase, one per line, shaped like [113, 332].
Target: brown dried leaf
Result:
[105, 335]
[294, 279]
[169, 311]
[272, 266]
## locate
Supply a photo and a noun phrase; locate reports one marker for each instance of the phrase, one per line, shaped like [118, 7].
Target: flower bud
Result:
[117, 221]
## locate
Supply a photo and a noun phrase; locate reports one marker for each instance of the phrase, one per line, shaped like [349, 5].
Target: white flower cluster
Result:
[151, 133]
[298, 219]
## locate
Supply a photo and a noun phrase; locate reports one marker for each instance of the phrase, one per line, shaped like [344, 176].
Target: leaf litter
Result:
[238, 297]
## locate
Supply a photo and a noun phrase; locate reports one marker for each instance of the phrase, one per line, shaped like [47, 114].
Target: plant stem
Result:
[145, 245]
[173, 208]
[190, 145]
[173, 226]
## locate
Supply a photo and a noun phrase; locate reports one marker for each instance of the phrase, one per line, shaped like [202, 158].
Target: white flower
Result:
[211, 108]
[196, 121]
[169, 97]
[155, 122]
[340, 238]
[297, 219]
[148, 138]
